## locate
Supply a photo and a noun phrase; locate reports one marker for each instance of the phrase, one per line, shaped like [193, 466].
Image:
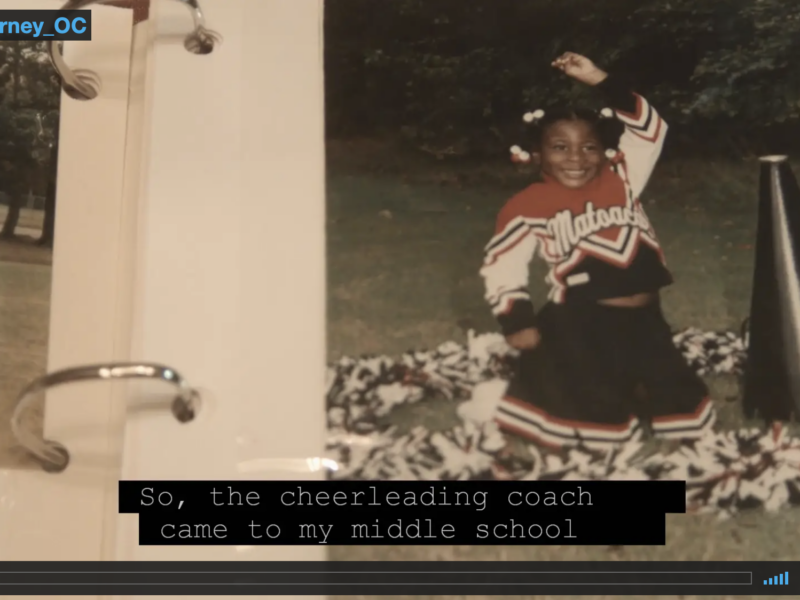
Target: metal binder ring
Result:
[55, 457]
[84, 85]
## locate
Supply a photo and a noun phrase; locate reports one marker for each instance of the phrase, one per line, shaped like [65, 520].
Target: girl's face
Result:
[571, 153]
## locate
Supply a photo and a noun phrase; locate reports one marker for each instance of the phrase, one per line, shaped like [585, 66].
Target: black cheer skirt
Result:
[598, 374]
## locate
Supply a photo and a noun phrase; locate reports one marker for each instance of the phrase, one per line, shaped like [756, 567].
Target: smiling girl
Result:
[597, 362]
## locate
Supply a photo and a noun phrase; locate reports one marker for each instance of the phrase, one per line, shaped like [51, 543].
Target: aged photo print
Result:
[548, 249]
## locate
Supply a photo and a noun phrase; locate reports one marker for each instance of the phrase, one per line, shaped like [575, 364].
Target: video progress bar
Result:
[377, 578]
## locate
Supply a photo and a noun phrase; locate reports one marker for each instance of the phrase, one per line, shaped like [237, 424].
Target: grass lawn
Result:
[405, 243]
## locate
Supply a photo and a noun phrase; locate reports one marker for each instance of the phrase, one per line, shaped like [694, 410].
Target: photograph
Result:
[560, 245]
[30, 97]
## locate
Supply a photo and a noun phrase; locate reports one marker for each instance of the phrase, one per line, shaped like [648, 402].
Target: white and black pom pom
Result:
[367, 390]
[725, 472]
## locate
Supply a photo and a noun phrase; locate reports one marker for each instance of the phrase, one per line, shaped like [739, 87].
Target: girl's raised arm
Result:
[645, 130]
[644, 135]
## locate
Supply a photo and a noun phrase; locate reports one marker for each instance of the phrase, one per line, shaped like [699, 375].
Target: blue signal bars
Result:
[782, 579]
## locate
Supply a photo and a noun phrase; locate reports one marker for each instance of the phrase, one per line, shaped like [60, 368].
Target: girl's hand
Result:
[527, 339]
[580, 68]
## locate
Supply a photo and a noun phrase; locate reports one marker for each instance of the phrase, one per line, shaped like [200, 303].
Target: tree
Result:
[28, 126]
[452, 74]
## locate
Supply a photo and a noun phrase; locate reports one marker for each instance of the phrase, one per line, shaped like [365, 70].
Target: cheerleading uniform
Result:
[599, 371]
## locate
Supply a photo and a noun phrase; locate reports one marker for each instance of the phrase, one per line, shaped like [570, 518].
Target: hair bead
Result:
[533, 117]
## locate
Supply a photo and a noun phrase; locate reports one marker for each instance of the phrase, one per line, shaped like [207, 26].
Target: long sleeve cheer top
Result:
[596, 240]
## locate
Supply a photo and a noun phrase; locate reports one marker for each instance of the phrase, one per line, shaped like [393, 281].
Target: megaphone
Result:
[771, 378]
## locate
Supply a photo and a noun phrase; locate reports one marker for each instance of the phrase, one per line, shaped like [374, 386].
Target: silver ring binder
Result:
[85, 85]
[53, 456]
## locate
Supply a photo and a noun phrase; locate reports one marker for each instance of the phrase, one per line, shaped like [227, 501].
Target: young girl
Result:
[597, 361]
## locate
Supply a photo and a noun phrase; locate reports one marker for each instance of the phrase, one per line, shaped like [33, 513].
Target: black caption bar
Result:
[45, 25]
[396, 578]
[298, 513]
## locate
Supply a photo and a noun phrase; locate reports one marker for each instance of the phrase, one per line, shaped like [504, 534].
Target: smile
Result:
[576, 174]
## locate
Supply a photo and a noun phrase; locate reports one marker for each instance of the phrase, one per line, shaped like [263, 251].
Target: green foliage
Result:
[449, 73]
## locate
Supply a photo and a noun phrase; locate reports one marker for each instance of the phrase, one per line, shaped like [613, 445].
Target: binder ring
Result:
[53, 456]
[82, 84]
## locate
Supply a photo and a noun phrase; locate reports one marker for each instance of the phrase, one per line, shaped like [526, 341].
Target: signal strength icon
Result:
[782, 579]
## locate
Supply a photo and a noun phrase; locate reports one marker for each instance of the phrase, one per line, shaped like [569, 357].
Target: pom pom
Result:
[524, 156]
[516, 150]
[607, 113]
[719, 469]
[611, 153]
